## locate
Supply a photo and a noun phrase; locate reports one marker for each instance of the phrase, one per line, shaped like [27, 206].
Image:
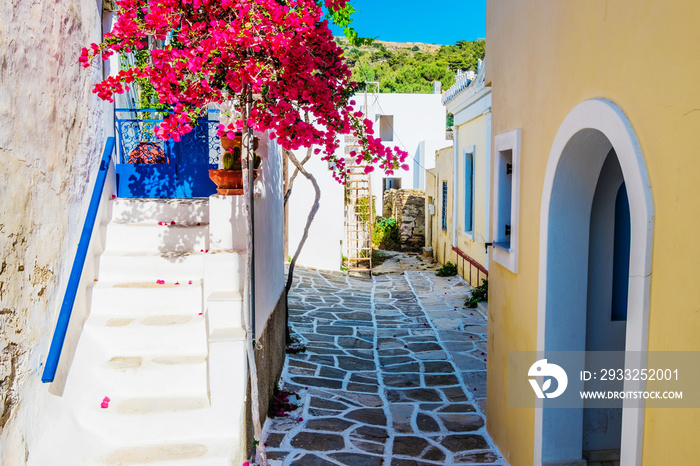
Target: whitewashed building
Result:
[413, 122]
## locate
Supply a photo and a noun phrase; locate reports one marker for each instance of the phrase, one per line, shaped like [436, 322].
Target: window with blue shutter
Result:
[469, 191]
[444, 205]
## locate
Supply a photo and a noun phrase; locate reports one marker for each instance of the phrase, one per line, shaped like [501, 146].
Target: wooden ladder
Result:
[358, 216]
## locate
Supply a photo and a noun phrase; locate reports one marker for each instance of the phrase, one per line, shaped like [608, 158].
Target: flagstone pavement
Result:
[394, 373]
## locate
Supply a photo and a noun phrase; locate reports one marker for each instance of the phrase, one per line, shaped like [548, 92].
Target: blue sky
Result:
[412, 21]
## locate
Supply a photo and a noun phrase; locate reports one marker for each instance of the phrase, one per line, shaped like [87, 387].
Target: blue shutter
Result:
[444, 205]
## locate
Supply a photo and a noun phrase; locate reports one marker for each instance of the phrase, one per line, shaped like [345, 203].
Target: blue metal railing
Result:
[135, 125]
[59, 334]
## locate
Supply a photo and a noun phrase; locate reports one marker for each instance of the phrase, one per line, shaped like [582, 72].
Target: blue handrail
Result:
[59, 334]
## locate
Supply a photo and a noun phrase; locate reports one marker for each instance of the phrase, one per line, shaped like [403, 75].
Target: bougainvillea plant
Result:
[214, 51]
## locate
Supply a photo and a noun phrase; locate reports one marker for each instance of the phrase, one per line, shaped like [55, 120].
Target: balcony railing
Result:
[135, 125]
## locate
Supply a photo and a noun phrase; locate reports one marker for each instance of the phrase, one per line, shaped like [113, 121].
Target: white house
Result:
[413, 122]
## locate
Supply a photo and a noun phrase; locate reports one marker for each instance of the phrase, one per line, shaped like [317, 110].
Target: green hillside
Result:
[411, 67]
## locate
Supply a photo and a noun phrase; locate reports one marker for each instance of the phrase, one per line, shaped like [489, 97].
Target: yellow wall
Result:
[471, 133]
[474, 133]
[545, 57]
[441, 239]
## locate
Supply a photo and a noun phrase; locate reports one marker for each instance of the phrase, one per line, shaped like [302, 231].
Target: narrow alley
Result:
[394, 372]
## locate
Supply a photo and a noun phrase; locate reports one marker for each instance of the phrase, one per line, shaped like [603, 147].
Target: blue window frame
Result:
[444, 205]
[469, 190]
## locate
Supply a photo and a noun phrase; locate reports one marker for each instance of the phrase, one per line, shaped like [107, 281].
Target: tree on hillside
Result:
[410, 69]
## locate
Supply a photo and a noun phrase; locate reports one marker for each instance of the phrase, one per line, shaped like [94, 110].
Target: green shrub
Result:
[478, 294]
[385, 234]
[447, 270]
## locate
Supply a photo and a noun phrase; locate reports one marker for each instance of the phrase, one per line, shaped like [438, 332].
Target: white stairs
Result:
[159, 374]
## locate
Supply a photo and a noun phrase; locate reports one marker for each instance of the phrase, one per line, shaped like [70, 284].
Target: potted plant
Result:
[229, 178]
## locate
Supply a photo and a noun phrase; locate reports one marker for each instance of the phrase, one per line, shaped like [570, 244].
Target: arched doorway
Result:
[595, 169]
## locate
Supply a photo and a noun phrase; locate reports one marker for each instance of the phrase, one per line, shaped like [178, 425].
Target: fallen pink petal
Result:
[104, 405]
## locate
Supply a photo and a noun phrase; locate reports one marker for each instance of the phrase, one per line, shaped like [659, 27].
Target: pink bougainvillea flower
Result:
[173, 222]
[177, 283]
[190, 282]
[104, 405]
[282, 51]
[201, 250]
[201, 313]
[106, 399]
[160, 282]
[114, 196]
[160, 223]
[246, 463]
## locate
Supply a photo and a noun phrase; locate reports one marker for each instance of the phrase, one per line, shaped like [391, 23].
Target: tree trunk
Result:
[309, 220]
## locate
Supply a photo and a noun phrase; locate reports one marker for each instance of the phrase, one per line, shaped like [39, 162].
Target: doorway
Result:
[594, 284]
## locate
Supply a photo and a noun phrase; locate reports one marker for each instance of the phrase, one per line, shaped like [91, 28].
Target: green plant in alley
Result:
[478, 294]
[447, 270]
[385, 234]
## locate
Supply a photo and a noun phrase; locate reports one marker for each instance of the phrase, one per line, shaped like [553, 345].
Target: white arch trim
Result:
[606, 117]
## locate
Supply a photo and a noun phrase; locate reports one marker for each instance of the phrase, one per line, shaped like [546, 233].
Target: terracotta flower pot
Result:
[229, 182]
[147, 152]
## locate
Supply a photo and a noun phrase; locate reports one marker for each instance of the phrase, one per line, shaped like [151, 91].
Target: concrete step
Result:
[135, 238]
[146, 388]
[175, 380]
[172, 436]
[141, 300]
[183, 342]
[131, 267]
[160, 210]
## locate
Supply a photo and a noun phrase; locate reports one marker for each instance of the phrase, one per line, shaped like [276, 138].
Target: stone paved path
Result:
[394, 374]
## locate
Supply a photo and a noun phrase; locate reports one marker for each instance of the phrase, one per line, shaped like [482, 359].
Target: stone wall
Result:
[51, 138]
[407, 207]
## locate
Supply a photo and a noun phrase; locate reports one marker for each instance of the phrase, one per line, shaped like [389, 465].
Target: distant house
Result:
[413, 122]
[458, 188]
[596, 174]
